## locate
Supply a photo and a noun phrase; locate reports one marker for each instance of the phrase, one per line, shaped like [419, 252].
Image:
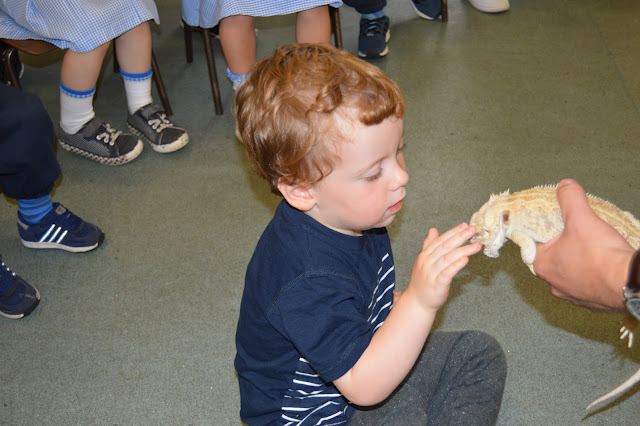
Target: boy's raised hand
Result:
[441, 258]
[396, 345]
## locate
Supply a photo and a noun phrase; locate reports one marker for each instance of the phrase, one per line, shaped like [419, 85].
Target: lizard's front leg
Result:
[527, 248]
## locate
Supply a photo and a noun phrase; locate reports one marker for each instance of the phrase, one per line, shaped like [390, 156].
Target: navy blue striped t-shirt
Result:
[312, 300]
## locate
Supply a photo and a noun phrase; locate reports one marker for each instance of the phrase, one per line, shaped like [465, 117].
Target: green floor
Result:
[141, 331]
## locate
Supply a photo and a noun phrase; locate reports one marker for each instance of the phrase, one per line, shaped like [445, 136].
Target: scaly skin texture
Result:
[533, 216]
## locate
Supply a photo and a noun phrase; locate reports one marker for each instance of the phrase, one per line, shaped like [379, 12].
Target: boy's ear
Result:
[298, 196]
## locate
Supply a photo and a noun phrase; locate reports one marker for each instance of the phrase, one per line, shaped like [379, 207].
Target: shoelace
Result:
[10, 273]
[372, 27]
[109, 136]
[160, 123]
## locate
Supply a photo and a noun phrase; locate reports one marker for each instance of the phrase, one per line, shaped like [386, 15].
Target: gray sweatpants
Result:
[457, 380]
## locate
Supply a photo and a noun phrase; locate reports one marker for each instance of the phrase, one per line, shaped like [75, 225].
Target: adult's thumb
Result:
[572, 198]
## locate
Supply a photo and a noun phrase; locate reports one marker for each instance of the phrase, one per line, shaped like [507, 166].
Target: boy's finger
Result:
[454, 237]
[460, 252]
[461, 230]
[453, 257]
[453, 268]
[431, 237]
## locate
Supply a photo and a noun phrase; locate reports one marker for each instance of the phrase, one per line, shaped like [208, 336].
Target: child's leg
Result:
[313, 25]
[133, 49]
[458, 379]
[145, 119]
[78, 77]
[374, 27]
[29, 167]
[80, 131]
[366, 6]
[27, 173]
[238, 41]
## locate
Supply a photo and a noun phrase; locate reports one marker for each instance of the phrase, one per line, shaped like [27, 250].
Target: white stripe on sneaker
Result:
[56, 230]
[61, 237]
[52, 227]
[54, 234]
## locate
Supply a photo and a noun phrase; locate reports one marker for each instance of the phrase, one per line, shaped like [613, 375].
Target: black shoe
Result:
[427, 9]
[18, 298]
[373, 38]
[151, 122]
[100, 142]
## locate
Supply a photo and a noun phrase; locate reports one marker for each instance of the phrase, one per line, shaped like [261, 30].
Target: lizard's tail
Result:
[617, 391]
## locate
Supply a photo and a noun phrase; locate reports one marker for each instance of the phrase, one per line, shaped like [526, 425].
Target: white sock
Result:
[138, 89]
[237, 79]
[76, 108]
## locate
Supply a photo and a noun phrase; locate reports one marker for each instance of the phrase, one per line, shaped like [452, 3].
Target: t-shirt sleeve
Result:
[325, 318]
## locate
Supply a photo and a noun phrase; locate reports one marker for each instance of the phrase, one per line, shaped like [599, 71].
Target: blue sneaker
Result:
[373, 38]
[427, 9]
[18, 298]
[60, 229]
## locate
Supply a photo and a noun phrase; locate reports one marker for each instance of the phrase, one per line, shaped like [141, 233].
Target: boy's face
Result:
[366, 188]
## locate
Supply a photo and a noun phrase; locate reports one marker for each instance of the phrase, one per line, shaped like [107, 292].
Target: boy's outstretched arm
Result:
[396, 345]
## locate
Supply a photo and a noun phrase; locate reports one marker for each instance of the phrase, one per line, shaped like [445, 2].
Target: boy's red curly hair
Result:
[296, 106]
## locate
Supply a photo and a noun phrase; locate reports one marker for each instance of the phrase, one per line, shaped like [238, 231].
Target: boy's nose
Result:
[401, 176]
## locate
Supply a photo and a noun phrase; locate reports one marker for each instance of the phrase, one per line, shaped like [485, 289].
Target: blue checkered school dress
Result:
[80, 25]
[207, 13]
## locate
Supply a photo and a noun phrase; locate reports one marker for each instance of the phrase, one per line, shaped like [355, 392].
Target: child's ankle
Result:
[374, 15]
[237, 79]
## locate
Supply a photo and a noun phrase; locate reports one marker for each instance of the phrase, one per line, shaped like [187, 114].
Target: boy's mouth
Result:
[394, 208]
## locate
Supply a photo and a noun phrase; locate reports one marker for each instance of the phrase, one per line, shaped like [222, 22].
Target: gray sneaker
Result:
[100, 142]
[151, 122]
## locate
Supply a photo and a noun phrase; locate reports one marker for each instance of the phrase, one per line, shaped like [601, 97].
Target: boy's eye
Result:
[374, 177]
[402, 147]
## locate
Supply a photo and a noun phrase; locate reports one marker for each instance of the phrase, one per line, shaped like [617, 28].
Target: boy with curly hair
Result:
[322, 337]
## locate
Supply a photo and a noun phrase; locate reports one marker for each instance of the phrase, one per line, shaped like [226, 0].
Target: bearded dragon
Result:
[534, 216]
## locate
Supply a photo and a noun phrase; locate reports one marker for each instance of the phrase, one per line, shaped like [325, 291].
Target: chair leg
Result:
[445, 11]
[334, 15]
[188, 41]
[157, 78]
[14, 79]
[213, 76]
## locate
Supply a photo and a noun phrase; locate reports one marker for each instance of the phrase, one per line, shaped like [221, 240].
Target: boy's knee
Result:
[480, 338]
[485, 345]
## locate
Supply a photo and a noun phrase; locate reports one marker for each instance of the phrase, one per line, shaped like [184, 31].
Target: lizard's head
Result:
[490, 222]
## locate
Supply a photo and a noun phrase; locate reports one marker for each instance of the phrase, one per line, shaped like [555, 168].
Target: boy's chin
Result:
[385, 222]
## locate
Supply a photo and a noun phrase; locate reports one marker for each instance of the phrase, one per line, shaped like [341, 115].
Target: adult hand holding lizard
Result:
[588, 262]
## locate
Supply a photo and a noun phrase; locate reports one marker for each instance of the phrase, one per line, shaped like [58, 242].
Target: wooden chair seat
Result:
[31, 47]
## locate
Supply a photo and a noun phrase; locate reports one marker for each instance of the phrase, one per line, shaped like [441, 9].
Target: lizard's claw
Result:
[629, 323]
[626, 333]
